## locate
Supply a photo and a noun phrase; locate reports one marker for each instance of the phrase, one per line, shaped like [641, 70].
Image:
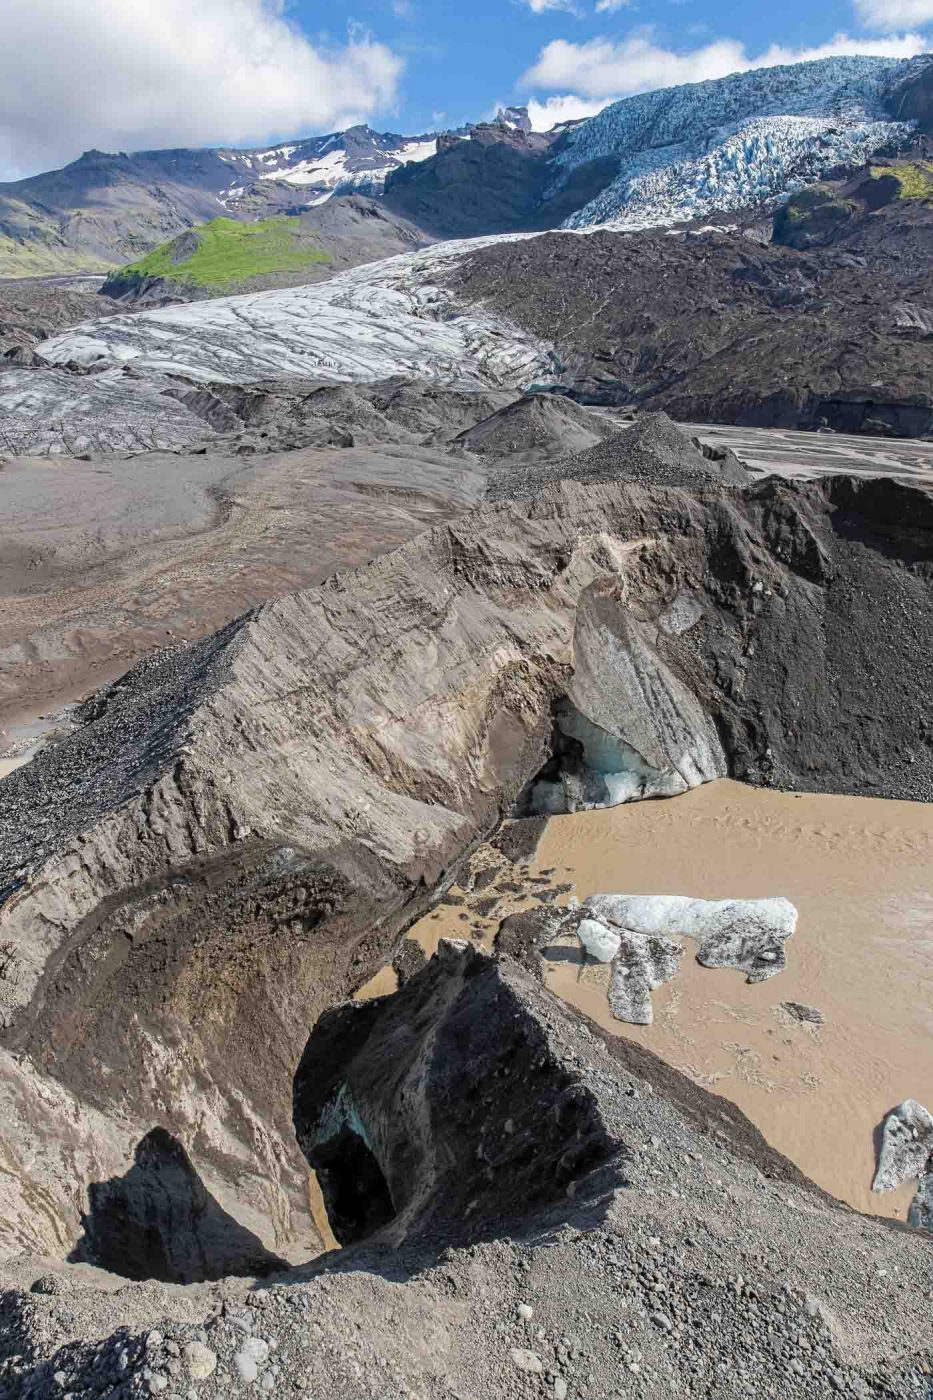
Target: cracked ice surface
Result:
[730, 142]
[50, 413]
[388, 318]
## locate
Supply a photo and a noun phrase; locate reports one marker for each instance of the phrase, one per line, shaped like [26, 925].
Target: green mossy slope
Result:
[227, 252]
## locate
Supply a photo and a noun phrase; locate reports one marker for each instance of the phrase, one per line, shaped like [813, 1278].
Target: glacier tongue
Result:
[732, 142]
[392, 317]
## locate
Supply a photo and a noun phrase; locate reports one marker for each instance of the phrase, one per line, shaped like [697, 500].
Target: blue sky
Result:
[123, 75]
[462, 59]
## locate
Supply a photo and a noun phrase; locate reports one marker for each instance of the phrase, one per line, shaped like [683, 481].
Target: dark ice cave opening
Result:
[356, 1194]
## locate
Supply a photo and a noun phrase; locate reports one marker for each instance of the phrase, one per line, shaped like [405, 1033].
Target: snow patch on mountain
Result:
[731, 142]
[393, 317]
[356, 161]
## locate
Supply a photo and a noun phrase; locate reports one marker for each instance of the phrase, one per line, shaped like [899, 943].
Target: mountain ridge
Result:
[673, 155]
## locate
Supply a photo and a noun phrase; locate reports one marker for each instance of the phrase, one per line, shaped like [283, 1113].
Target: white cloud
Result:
[540, 7]
[125, 74]
[601, 68]
[890, 15]
[544, 115]
[609, 7]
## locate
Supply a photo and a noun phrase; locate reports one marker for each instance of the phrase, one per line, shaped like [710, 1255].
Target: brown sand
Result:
[859, 871]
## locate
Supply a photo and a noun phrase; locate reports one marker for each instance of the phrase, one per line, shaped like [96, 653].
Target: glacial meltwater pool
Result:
[860, 872]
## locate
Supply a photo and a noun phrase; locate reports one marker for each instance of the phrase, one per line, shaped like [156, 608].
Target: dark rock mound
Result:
[542, 423]
[281, 415]
[443, 1109]
[654, 451]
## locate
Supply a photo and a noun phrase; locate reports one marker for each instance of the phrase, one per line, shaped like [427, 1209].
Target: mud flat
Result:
[858, 870]
[101, 562]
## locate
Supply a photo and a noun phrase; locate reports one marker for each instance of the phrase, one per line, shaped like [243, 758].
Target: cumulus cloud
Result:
[891, 15]
[602, 68]
[126, 74]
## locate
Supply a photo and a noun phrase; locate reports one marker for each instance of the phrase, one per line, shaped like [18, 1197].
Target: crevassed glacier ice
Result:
[734, 141]
[392, 317]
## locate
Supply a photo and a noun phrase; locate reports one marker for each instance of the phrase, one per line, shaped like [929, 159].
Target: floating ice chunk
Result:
[906, 1152]
[643, 962]
[748, 934]
[601, 942]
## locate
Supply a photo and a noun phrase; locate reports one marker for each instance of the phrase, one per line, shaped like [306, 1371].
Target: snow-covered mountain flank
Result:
[355, 161]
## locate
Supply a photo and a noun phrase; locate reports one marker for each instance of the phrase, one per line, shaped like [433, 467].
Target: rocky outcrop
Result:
[239, 830]
[397, 1100]
[835, 211]
[912, 99]
[31, 310]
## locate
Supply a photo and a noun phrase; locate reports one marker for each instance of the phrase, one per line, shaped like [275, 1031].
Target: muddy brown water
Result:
[859, 870]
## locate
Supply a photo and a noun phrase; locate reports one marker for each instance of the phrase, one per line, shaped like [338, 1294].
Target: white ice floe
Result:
[906, 1146]
[906, 1154]
[748, 934]
[600, 941]
[393, 317]
[636, 934]
[642, 963]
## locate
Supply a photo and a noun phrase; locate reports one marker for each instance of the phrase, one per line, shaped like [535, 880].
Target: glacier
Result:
[393, 317]
[731, 142]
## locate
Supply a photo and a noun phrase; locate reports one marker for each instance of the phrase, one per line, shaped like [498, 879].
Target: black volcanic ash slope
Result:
[714, 327]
